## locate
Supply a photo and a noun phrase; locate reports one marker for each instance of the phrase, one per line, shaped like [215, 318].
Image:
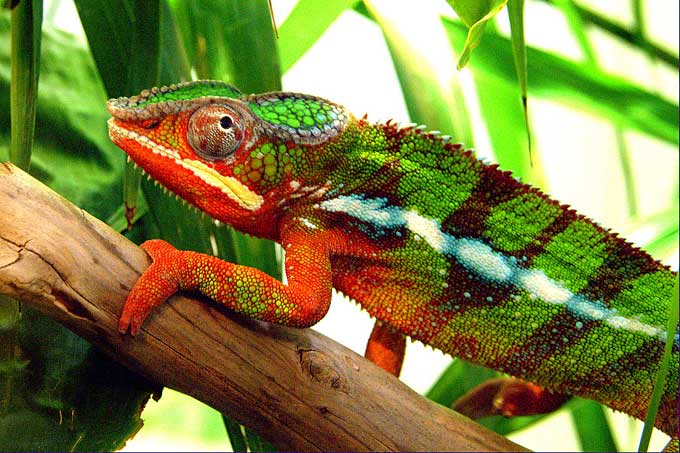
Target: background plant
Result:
[613, 156]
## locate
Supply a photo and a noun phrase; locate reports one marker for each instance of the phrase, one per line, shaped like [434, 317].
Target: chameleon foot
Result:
[154, 287]
[508, 397]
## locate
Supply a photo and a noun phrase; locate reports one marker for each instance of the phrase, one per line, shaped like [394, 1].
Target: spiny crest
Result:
[400, 130]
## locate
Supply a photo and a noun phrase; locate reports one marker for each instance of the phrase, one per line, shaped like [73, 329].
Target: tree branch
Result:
[297, 388]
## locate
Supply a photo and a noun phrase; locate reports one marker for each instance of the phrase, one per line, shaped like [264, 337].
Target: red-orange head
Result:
[234, 156]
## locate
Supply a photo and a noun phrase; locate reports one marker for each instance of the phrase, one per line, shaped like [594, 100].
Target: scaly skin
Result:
[430, 241]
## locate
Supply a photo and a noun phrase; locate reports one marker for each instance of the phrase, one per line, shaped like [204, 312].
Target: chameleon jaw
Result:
[231, 187]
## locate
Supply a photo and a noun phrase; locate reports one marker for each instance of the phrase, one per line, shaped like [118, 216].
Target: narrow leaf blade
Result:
[305, 25]
[475, 15]
[577, 84]
[516, 15]
[592, 427]
[25, 67]
[428, 102]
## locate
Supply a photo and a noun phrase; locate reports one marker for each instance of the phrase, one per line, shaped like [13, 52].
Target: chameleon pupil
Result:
[226, 122]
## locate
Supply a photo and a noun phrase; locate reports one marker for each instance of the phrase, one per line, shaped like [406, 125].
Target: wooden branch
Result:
[297, 388]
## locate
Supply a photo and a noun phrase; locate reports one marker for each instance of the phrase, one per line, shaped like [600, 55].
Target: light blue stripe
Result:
[483, 261]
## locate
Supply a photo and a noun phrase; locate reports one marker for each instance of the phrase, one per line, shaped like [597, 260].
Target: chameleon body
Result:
[426, 238]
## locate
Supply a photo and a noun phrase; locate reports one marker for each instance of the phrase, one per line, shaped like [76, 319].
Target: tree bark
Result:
[296, 388]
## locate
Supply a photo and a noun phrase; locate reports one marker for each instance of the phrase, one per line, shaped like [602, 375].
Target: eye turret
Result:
[215, 132]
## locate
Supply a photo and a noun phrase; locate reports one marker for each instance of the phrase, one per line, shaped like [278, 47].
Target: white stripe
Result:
[481, 260]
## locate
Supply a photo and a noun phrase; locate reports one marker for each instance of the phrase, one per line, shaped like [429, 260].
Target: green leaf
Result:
[305, 25]
[107, 25]
[232, 41]
[144, 62]
[474, 14]
[516, 15]
[174, 60]
[578, 29]
[251, 46]
[659, 384]
[137, 48]
[504, 118]
[26, 22]
[74, 156]
[64, 392]
[237, 437]
[579, 85]
[72, 152]
[633, 37]
[427, 101]
[592, 427]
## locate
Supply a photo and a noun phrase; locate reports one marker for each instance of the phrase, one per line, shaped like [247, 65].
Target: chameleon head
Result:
[226, 153]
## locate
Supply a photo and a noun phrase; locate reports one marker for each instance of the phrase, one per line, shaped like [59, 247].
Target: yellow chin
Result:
[231, 187]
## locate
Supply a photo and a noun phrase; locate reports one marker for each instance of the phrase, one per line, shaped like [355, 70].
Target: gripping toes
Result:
[155, 286]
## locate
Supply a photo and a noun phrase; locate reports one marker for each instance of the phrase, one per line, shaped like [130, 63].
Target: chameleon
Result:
[433, 243]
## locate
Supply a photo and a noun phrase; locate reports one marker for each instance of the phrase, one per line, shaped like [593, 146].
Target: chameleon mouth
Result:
[231, 187]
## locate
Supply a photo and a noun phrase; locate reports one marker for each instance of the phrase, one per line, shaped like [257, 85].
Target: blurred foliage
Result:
[132, 44]
[57, 391]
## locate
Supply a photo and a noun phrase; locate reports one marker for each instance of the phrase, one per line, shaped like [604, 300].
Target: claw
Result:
[158, 282]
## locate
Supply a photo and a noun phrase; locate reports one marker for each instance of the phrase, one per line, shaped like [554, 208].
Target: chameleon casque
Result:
[433, 243]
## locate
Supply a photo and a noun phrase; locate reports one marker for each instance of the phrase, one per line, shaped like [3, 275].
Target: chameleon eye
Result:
[215, 132]
[226, 122]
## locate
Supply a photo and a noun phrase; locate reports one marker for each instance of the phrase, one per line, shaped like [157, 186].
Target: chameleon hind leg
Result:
[510, 397]
[386, 348]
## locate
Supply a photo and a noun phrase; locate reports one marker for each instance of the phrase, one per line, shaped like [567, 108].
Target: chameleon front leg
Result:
[300, 303]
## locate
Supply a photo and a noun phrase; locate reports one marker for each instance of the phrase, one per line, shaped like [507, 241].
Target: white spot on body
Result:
[632, 324]
[429, 229]
[536, 282]
[482, 260]
[306, 222]
[587, 309]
